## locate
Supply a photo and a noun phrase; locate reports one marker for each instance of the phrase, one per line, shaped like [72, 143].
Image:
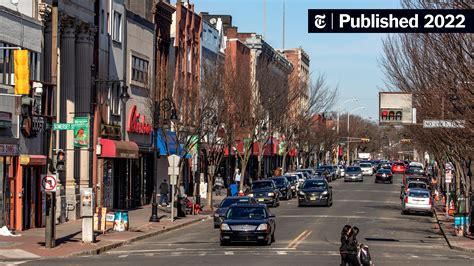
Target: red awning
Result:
[118, 149]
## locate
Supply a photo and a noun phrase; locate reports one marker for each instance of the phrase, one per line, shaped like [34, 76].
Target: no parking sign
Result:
[48, 183]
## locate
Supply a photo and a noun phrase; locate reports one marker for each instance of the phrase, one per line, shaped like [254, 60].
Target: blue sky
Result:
[348, 61]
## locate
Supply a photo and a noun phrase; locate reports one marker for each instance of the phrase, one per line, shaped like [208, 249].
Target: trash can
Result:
[121, 222]
[234, 189]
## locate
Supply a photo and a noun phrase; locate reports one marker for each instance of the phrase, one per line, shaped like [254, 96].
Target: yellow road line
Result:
[295, 242]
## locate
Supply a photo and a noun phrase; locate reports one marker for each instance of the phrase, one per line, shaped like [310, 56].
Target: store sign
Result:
[8, 149]
[81, 132]
[137, 124]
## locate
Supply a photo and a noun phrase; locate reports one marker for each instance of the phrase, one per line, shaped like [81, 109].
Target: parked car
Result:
[293, 179]
[300, 176]
[265, 192]
[353, 173]
[415, 170]
[284, 187]
[248, 223]
[418, 200]
[412, 185]
[315, 192]
[331, 172]
[310, 172]
[384, 175]
[398, 167]
[366, 168]
[219, 214]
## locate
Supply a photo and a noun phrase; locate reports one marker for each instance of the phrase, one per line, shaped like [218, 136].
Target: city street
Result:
[305, 236]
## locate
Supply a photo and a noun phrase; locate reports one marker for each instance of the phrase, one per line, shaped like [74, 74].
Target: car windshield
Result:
[365, 165]
[416, 185]
[419, 194]
[314, 184]
[322, 168]
[279, 181]
[353, 169]
[229, 201]
[260, 185]
[398, 164]
[246, 213]
[292, 179]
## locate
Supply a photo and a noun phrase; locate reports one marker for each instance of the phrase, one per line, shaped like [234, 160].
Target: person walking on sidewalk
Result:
[219, 183]
[164, 190]
[237, 176]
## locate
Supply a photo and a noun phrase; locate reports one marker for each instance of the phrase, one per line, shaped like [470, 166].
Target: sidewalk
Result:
[446, 226]
[30, 245]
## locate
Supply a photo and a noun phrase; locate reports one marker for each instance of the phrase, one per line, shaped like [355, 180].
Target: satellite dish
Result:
[213, 21]
[14, 2]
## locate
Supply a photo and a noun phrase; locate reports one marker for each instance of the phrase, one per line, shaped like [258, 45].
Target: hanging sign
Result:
[81, 132]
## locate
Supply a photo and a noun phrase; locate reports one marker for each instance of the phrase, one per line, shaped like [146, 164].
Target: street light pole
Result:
[348, 133]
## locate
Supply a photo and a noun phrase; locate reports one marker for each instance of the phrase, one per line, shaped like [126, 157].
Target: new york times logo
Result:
[319, 21]
[390, 21]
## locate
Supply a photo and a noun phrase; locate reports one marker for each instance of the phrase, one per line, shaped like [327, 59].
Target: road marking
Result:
[123, 256]
[229, 253]
[282, 253]
[345, 217]
[299, 239]
[363, 190]
[17, 254]
[370, 201]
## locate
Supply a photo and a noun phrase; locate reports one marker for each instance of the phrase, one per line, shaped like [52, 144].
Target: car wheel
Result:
[404, 212]
[376, 181]
[223, 243]
[391, 181]
[216, 226]
[273, 237]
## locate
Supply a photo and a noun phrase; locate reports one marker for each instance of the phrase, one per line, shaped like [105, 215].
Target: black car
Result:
[248, 223]
[283, 186]
[315, 192]
[220, 213]
[265, 192]
[384, 175]
[414, 170]
[293, 179]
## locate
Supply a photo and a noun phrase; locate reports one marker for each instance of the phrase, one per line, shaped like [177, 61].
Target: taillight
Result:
[431, 201]
[406, 199]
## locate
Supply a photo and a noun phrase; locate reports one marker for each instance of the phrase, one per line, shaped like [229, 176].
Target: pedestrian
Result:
[348, 249]
[164, 190]
[237, 176]
[219, 183]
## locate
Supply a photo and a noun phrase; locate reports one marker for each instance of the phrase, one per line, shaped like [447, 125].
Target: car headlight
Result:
[292, 187]
[302, 193]
[262, 227]
[324, 193]
[359, 175]
[250, 195]
[225, 227]
[271, 194]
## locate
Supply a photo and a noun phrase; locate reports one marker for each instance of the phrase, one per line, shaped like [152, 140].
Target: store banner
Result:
[81, 132]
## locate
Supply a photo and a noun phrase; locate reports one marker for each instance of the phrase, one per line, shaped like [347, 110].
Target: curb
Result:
[451, 246]
[441, 229]
[108, 247]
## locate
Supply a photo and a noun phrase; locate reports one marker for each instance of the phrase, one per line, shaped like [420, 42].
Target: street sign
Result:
[48, 183]
[449, 177]
[63, 126]
[173, 169]
[443, 123]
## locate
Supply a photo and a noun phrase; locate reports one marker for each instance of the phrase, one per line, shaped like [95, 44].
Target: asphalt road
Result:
[305, 236]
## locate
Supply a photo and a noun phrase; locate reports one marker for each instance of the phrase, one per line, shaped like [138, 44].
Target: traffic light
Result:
[387, 115]
[22, 72]
[59, 161]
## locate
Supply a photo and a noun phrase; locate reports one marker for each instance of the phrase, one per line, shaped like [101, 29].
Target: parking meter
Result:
[87, 202]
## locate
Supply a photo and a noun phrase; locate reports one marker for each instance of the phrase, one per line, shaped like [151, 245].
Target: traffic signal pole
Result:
[50, 230]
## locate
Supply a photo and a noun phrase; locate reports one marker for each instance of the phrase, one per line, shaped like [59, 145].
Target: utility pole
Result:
[50, 230]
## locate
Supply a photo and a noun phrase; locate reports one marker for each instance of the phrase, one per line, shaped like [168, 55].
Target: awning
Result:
[167, 143]
[33, 160]
[118, 149]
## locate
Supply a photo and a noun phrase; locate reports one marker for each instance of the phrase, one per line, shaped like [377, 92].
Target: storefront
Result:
[8, 158]
[118, 162]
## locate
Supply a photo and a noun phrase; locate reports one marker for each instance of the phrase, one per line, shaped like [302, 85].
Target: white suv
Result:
[366, 168]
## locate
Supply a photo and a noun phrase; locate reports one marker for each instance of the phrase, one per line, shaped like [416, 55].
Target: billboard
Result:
[396, 108]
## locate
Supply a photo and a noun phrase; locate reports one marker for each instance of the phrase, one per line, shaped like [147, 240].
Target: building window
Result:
[102, 22]
[188, 65]
[114, 98]
[139, 70]
[117, 28]
[7, 76]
